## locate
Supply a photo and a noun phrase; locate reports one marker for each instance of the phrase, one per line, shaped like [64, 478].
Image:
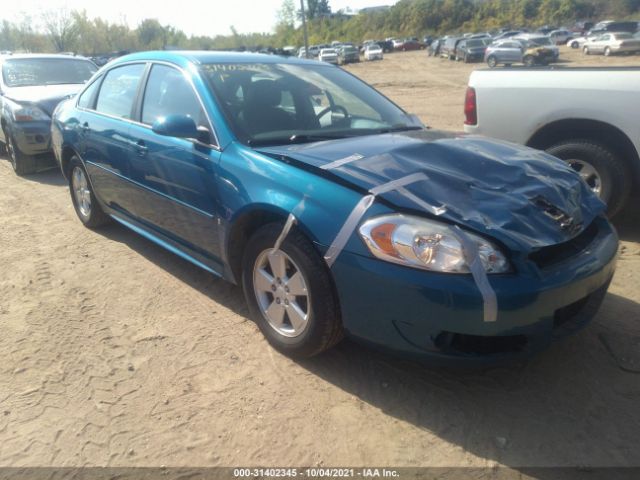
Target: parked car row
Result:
[244, 165]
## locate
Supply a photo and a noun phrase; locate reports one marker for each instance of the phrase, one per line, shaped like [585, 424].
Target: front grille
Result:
[549, 256]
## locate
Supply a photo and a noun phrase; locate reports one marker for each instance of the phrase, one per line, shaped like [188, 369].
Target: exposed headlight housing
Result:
[28, 114]
[427, 245]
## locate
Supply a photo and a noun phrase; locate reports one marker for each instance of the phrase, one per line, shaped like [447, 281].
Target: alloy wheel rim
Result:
[282, 293]
[81, 191]
[589, 174]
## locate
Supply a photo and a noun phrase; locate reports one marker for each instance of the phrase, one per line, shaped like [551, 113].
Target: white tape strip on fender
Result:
[361, 208]
[479, 274]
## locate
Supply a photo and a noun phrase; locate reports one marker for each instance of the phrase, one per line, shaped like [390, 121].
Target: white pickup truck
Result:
[589, 117]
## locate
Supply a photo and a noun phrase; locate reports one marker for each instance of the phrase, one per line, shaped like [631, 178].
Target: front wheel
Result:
[575, 45]
[529, 61]
[84, 200]
[290, 294]
[606, 175]
[22, 164]
[492, 62]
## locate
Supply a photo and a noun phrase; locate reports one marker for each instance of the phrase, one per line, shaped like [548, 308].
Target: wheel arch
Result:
[67, 153]
[602, 132]
[245, 224]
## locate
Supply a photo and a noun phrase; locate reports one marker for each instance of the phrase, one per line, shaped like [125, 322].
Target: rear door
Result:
[174, 178]
[104, 126]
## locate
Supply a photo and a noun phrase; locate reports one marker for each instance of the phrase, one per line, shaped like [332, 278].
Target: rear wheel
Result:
[492, 61]
[601, 168]
[290, 293]
[22, 164]
[84, 200]
[586, 51]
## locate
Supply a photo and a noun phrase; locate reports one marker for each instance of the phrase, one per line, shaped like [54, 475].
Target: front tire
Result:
[22, 164]
[529, 61]
[492, 62]
[290, 293]
[602, 169]
[84, 200]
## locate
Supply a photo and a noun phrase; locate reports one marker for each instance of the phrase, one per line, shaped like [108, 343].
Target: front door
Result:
[175, 178]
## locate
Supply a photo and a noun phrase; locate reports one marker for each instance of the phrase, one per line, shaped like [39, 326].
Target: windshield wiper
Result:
[296, 138]
[399, 128]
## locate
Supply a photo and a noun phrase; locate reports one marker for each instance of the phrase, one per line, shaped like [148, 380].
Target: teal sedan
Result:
[338, 213]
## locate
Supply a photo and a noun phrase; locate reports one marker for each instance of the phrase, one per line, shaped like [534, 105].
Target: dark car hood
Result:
[45, 97]
[502, 190]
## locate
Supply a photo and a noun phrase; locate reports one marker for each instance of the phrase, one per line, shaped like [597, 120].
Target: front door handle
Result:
[142, 148]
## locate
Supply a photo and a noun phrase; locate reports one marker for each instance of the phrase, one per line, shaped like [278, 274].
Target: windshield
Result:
[475, 43]
[269, 104]
[23, 72]
[540, 41]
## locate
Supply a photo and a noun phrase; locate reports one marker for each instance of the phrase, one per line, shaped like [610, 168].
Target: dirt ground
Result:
[114, 352]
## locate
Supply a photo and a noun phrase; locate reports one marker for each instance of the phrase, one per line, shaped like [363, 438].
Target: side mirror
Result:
[180, 126]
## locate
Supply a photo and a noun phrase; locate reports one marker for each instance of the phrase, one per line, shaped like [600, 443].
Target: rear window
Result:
[25, 72]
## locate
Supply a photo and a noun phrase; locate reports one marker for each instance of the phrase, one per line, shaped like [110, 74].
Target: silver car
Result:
[610, 43]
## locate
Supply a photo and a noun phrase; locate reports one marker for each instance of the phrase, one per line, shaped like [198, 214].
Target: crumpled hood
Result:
[45, 97]
[524, 198]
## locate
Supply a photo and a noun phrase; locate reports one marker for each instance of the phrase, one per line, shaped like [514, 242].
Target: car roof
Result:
[185, 57]
[41, 56]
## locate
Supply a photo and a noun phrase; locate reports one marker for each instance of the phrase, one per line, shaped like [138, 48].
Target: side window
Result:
[118, 90]
[169, 93]
[87, 98]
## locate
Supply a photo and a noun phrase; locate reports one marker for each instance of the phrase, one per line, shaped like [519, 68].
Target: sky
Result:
[194, 17]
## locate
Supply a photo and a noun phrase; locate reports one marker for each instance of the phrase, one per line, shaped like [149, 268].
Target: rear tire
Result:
[614, 175]
[22, 164]
[323, 327]
[84, 200]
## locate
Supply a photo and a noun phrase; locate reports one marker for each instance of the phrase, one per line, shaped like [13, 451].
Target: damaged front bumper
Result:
[437, 316]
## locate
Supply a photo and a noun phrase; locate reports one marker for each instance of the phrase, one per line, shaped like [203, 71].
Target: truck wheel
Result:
[22, 164]
[492, 62]
[84, 200]
[529, 61]
[290, 293]
[604, 172]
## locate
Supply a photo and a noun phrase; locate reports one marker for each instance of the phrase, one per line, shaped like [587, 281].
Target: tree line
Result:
[63, 30]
